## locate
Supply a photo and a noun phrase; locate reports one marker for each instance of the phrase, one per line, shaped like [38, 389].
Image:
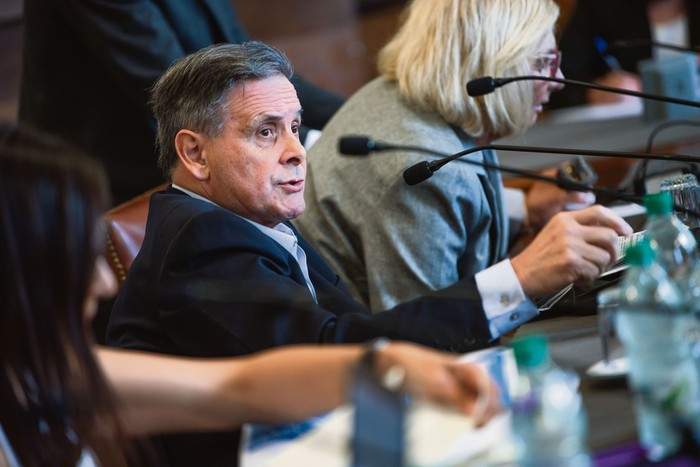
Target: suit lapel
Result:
[491, 182]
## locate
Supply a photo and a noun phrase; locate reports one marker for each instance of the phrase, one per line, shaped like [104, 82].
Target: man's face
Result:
[258, 165]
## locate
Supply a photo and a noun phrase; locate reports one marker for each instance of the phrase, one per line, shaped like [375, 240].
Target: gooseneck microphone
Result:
[361, 145]
[358, 145]
[487, 84]
[425, 169]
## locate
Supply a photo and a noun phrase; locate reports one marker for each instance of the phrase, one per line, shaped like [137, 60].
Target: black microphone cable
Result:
[637, 182]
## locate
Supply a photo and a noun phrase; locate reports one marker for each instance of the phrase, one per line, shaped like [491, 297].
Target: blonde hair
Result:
[442, 44]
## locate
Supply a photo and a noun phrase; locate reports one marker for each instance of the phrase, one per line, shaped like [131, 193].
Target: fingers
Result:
[479, 395]
[440, 378]
[602, 239]
[544, 200]
[487, 401]
[573, 247]
[579, 200]
[601, 216]
[581, 197]
[592, 261]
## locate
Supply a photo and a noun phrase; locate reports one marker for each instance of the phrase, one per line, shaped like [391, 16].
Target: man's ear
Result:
[190, 148]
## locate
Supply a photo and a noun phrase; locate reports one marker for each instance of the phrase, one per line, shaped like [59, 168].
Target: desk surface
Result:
[615, 133]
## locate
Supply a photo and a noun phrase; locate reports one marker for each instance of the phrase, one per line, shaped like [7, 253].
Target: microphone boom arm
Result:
[498, 82]
[433, 166]
[436, 165]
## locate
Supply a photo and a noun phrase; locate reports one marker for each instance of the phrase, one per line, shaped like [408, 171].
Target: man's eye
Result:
[266, 132]
[295, 129]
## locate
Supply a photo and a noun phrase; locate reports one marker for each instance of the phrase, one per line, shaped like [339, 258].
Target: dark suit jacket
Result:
[88, 65]
[611, 20]
[207, 283]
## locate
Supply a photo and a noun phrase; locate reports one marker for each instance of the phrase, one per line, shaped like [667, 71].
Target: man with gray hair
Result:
[221, 271]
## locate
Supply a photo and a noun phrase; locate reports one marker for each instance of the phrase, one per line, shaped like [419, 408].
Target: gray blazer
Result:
[391, 242]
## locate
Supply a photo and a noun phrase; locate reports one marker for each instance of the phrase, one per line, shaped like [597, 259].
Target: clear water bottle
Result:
[655, 330]
[692, 300]
[675, 247]
[685, 192]
[549, 423]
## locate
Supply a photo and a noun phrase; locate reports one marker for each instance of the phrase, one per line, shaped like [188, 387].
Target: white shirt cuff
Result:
[505, 303]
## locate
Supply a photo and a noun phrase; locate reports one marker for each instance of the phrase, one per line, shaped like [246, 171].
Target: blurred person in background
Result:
[88, 66]
[588, 43]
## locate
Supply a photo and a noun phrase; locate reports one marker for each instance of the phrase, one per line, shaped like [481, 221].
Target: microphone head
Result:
[481, 86]
[417, 173]
[355, 145]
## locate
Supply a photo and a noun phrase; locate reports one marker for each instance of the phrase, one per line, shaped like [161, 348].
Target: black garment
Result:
[88, 66]
[207, 283]
[611, 21]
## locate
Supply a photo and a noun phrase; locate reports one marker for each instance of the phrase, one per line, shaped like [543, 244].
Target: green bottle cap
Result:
[530, 351]
[640, 254]
[659, 204]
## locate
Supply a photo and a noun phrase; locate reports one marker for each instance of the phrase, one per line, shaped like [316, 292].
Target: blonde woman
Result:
[391, 242]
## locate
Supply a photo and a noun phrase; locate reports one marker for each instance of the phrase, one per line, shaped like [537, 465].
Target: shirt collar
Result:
[280, 233]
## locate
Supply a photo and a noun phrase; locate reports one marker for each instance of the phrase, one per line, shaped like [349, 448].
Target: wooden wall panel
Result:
[332, 43]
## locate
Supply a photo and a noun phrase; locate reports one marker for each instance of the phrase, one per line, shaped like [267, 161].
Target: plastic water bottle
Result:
[654, 328]
[675, 247]
[549, 423]
[685, 192]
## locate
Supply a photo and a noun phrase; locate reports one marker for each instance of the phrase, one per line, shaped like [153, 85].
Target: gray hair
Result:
[193, 92]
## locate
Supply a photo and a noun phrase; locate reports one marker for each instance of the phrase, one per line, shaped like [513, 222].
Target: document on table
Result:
[435, 436]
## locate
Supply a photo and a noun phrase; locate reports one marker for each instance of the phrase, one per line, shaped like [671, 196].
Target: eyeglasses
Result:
[548, 62]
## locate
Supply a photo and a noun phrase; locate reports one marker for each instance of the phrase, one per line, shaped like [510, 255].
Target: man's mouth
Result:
[294, 185]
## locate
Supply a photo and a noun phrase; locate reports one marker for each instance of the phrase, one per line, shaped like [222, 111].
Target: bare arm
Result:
[167, 394]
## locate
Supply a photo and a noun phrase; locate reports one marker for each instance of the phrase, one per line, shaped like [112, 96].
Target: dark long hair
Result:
[54, 403]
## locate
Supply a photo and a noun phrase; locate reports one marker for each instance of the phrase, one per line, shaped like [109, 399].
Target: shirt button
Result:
[515, 316]
[505, 300]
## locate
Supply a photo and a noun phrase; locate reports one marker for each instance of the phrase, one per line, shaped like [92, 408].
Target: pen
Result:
[602, 46]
